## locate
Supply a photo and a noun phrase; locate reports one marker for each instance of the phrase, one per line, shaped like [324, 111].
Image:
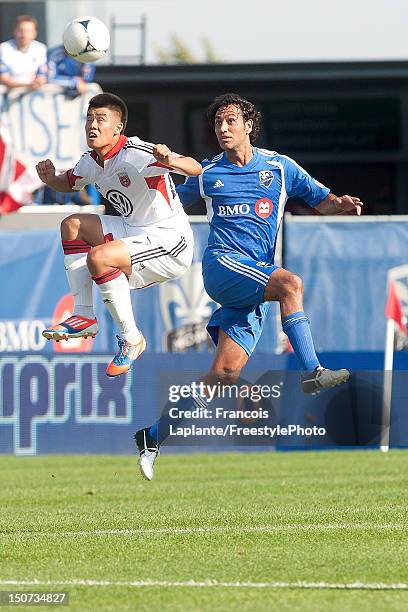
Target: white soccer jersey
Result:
[23, 66]
[134, 182]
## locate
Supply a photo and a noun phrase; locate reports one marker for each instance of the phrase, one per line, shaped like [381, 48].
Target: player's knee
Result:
[70, 227]
[97, 257]
[293, 285]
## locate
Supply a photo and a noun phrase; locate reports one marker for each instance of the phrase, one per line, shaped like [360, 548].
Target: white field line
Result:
[367, 586]
[208, 530]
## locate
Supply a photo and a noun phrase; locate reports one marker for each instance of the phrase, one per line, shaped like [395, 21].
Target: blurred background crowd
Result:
[27, 65]
[341, 111]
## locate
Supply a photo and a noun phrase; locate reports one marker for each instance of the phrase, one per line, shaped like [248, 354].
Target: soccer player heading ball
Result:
[150, 242]
[246, 189]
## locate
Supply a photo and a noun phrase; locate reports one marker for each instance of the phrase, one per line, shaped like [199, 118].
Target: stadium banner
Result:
[67, 404]
[55, 397]
[172, 315]
[344, 263]
[46, 123]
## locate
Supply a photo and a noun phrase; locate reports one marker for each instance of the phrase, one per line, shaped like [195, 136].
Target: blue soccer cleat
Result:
[125, 356]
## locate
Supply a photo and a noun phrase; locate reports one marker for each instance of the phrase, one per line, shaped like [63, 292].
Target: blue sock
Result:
[297, 327]
[160, 430]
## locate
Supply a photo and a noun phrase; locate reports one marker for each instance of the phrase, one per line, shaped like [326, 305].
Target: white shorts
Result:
[157, 254]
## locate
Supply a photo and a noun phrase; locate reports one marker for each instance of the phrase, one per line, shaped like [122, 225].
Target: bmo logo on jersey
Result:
[264, 207]
[225, 210]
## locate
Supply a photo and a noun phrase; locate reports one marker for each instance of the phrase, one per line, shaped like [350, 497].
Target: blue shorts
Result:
[237, 282]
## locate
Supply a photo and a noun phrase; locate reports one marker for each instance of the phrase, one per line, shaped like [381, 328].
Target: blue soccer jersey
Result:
[245, 204]
[63, 69]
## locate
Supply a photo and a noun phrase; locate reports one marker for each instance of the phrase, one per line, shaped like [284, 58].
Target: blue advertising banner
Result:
[344, 264]
[172, 315]
[67, 404]
[55, 397]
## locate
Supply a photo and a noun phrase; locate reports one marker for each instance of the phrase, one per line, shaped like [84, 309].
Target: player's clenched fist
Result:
[163, 154]
[45, 170]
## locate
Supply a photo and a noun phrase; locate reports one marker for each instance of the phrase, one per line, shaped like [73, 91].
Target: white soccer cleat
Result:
[146, 463]
[73, 327]
[148, 451]
[323, 378]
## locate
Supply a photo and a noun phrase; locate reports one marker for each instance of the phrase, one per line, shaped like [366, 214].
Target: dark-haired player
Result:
[149, 243]
[245, 189]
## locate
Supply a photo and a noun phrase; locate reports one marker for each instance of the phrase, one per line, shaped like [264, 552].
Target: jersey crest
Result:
[266, 178]
[124, 179]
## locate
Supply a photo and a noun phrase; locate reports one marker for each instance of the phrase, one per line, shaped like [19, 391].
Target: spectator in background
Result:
[23, 60]
[88, 195]
[73, 76]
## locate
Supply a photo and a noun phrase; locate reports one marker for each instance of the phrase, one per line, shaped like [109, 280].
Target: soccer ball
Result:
[86, 39]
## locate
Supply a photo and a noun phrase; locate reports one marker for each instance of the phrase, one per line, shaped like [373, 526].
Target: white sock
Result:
[80, 283]
[115, 293]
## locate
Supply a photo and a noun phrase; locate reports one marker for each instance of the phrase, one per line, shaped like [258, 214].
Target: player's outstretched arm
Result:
[339, 205]
[186, 165]
[46, 172]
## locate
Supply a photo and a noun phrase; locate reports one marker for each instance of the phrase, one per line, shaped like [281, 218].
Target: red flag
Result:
[17, 181]
[393, 308]
[8, 204]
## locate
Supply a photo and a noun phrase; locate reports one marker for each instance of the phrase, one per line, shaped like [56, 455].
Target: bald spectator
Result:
[23, 60]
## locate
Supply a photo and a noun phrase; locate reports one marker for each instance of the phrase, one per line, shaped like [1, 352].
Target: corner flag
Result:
[396, 320]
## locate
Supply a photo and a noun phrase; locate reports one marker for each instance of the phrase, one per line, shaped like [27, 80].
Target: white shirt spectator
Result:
[23, 66]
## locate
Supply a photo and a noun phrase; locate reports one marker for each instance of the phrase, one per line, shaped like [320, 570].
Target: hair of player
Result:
[248, 111]
[24, 18]
[109, 100]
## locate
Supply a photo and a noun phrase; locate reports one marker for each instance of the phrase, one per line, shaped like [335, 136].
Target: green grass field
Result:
[279, 528]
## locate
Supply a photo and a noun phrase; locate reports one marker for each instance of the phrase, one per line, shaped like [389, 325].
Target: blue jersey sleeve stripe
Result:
[303, 185]
[201, 179]
[207, 199]
[267, 153]
[292, 161]
[283, 196]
